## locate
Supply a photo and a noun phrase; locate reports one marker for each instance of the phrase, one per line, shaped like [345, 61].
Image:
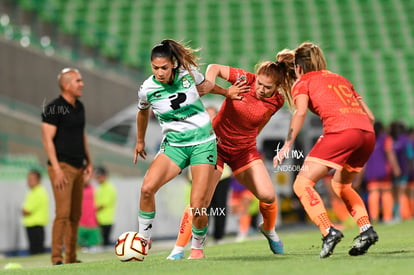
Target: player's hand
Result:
[280, 155]
[89, 170]
[139, 151]
[60, 180]
[239, 87]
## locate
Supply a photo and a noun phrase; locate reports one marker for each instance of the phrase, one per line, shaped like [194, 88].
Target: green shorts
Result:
[204, 153]
[88, 237]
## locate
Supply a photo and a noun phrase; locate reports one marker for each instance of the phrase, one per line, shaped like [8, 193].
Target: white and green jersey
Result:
[178, 108]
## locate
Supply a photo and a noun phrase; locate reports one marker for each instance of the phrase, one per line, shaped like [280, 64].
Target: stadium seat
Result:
[358, 37]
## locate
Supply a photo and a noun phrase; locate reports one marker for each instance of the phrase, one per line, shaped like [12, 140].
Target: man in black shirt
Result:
[65, 143]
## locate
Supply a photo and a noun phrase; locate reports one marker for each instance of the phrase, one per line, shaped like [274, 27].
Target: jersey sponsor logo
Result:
[184, 222]
[313, 199]
[176, 100]
[210, 158]
[157, 94]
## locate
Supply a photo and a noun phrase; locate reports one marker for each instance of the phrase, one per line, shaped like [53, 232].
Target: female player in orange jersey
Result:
[346, 143]
[237, 125]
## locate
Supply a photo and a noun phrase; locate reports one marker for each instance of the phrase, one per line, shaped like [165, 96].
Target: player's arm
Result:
[209, 84]
[215, 70]
[366, 109]
[364, 106]
[142, 124]
[204, 87]
[48, 133]
[296, 123]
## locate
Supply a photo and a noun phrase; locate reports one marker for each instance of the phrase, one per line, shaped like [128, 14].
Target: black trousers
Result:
[219, 206]
[106, 233]
[36, 236]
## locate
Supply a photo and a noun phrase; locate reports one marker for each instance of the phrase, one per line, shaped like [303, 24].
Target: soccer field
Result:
[393, 254]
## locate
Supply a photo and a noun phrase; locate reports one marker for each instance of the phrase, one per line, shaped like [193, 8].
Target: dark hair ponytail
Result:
[179, 54]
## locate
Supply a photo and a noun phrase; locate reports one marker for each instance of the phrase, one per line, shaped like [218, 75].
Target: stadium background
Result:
[368, 41]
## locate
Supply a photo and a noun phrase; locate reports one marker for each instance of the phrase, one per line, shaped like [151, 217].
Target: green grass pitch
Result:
[393, 254]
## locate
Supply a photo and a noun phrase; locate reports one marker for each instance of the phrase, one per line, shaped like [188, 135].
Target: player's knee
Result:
[338, 187]
[147, 191]
[300, 185]
[267, 198]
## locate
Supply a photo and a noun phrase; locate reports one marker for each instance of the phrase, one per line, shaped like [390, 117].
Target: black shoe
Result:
[363, 242]
[58, 263]
[330, 241]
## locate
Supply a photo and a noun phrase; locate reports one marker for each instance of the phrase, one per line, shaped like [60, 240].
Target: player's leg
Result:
[199, 201]
[313, 204]
[342, 186]
[203, 160]
[246, 198]
[405, 212]
[364, 143]
[387, 201]
[411, 196]
[220, 208]
[303, 187]
[184, 235]
[161, 170]
[374, 195]
[186, 224]
[257, 180]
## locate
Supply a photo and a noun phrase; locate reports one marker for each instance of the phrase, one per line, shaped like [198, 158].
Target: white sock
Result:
[364, 228]
[272, 234]
[197, 242]
[145, 220]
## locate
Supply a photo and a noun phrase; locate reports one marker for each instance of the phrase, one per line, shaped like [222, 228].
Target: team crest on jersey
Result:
[186, 83]
[241, 78]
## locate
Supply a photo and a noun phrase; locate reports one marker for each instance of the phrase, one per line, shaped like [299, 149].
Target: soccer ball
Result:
[131, 246]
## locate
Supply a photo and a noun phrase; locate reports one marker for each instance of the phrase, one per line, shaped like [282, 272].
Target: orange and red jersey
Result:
[239, 122]
[333, 98]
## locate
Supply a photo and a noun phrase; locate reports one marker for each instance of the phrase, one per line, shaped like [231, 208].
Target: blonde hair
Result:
[287, 57]
[282, 72]
[310, 57]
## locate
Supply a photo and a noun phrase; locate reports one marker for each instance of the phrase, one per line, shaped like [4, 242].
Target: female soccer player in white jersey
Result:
[188, 137]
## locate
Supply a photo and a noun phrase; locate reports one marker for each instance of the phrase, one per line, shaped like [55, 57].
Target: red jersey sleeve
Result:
[236, 74]
[300, 88]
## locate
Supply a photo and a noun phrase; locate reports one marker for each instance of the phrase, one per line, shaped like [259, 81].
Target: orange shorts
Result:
[349, 149]
[238, 160]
